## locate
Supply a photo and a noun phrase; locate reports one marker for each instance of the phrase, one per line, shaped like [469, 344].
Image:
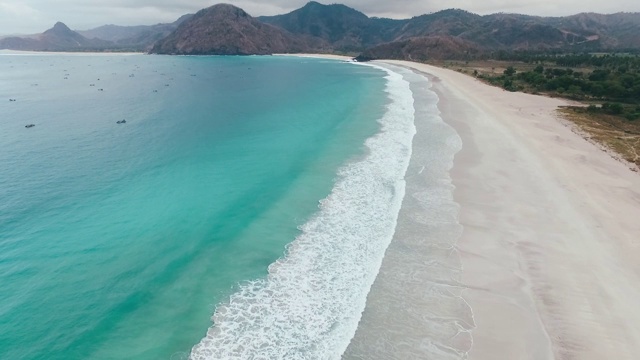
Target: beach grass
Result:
[612, 132]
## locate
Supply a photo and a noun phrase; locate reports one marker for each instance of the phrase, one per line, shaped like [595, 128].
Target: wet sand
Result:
[415, 309]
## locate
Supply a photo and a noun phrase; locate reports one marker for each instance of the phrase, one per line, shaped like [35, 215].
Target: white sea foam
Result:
[310, 304]
[415, 309]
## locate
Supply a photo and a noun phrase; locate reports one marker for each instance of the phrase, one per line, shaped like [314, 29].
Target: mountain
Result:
[141, 37]
[423, 48]
[620, 30]
[224, 29]
[458, 32]
[58, 38]
[344, 28]
[227, 30]
[451, 22]
[497, 31]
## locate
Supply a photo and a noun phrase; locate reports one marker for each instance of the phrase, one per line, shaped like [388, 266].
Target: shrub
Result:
[510, 71]
[632, 117]
[575, 90]
[612, 108]
[508, 85]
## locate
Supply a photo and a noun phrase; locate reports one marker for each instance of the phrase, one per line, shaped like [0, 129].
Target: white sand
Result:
[551, 241]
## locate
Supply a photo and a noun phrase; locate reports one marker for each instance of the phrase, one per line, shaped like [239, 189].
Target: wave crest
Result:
[309, 305]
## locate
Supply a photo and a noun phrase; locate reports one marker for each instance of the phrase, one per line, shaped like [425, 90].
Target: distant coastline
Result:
[95, 53]
[502, 248]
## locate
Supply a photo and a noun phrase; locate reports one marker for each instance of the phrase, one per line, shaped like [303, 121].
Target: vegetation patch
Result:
[608, 85]
[614, 132]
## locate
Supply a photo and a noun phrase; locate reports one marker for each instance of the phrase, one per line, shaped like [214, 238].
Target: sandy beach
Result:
[551, 235]
[546, 266]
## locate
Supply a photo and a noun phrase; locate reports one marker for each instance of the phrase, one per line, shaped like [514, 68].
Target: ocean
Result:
[166, 207]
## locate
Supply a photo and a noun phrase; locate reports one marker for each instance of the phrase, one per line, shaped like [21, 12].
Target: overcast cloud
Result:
[34, 16]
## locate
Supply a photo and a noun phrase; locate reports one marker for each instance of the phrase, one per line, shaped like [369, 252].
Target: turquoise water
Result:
[118, 241]
[310, 304]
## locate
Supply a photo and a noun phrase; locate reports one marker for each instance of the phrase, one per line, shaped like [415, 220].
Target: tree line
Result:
[611, 79]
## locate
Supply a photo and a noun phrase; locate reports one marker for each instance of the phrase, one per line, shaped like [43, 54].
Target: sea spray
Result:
[309, 305]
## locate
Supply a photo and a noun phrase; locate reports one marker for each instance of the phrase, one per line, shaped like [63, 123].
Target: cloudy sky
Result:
[34, 16]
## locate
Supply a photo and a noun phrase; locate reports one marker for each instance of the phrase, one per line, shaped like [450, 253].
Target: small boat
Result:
[29, 126]
[12, 100]
[123, 121]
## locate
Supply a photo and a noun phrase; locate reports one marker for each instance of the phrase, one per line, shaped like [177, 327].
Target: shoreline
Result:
[350, 232]
[549, 250]
[549, 245]
[508, 236]
[414, 308]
